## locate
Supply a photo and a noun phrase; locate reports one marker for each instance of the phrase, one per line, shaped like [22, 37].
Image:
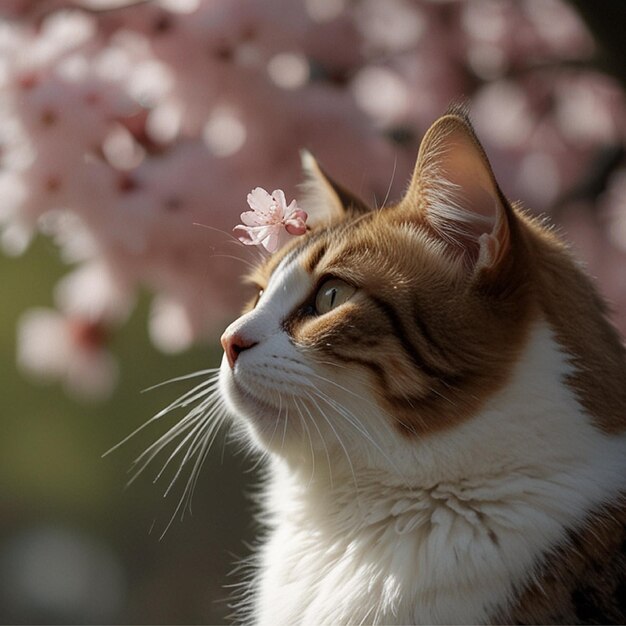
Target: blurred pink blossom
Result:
[129, 136]
[52, 347]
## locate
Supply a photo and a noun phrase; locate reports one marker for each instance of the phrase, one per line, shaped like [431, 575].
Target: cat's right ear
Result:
[324, 199]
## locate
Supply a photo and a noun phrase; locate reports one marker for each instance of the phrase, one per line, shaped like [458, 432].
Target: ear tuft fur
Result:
[454, 191]
[324, 199]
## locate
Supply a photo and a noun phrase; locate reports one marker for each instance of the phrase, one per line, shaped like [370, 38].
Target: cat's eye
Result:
[258, 297]
[331, 294]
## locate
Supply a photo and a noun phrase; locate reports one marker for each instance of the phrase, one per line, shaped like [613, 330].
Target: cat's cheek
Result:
[236, 402]
[258, 417]
[238, 405]
[227, 388]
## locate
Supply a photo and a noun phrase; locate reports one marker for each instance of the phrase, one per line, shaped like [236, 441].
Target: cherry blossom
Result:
[129, 132]
[71, 350]
[270, 219]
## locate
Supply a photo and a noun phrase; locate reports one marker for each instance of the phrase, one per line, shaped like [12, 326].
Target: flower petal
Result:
[254, 235]
[295, 227]
[259, 200]
[270, 243]
[252, 218]
[295, 222]
[279, 197]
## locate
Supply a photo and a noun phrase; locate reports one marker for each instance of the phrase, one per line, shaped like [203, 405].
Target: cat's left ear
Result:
[324, 199]
[454, 191]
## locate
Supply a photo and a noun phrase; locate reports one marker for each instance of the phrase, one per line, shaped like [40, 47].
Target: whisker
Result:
[195, 432]
[211, 370]
[282, 445]
[247, 263]
[359, 396]
[319, 432]
[202, 390]
[308, 432]
[196, 443]
[261, 457]
[336, 384]
[257, 252]
[340, 441]
[350, 417]
[201, 448]
[260, 256]
[355, 423]
[154, 449]
[393, 175]
[220, 231]
[197, 429]
[177, 403]
[338, 365]
[195, 413]
[212, 434]
[442, 396]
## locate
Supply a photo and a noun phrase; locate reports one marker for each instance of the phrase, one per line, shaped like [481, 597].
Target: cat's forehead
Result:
[374, 246]
[289, 279]
[283, 260]
[292, 268]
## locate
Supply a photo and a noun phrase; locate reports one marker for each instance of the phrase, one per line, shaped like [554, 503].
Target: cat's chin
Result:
[244, 404]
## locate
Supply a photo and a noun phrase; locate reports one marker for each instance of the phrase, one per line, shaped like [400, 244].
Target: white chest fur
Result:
[485, 502]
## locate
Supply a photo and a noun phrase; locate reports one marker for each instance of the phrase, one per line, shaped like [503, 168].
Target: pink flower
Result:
[270, 219]
[72, 350]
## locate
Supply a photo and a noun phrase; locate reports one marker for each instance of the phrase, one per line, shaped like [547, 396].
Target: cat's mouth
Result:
[249, 404]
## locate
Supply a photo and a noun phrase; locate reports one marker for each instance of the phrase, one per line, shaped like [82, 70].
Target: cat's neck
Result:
[511, 482]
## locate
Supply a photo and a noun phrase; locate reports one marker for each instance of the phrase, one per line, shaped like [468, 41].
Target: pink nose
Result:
[234, 344]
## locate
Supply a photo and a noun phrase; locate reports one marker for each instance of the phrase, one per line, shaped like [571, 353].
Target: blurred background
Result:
[130, 134]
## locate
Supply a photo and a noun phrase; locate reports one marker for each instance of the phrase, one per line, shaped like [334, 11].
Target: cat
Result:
[442, 403]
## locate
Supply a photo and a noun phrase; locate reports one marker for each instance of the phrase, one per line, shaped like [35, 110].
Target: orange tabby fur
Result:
[421, 271]
[537, 275]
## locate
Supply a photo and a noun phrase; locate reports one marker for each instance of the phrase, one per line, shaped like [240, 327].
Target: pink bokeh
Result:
[132, 135]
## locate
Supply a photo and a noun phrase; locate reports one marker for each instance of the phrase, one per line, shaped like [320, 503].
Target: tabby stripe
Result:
[378, 369]
[414, 353]
[298, 251]
[425, 332]
[313, 260]
[406, 402]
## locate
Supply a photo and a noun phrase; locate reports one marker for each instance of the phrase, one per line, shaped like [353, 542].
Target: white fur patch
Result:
[254, 389]
[373, 528]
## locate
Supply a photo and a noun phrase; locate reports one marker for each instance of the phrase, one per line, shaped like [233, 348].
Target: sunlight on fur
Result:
[438, 399]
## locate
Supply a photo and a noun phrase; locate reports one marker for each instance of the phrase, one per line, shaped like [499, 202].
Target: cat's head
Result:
[385, 323]
[382, 326]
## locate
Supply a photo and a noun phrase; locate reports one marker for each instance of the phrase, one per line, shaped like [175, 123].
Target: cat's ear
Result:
[454, 191]
[324, 199]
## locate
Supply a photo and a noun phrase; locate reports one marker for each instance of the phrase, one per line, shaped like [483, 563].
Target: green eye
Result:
[331, 294]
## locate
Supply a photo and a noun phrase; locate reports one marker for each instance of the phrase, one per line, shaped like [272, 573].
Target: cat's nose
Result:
[234, 344]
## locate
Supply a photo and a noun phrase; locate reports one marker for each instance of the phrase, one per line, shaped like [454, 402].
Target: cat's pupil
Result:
[333, 293]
